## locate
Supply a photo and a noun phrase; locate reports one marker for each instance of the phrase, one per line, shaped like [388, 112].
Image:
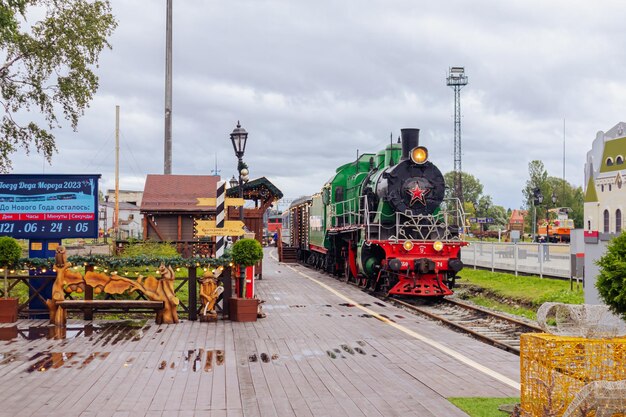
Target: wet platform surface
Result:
[324, 349]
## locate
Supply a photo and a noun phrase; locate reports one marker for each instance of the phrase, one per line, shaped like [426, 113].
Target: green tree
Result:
[486, 208]
[47, 68]
[537, 178]
[611, 283]
[472, 188]
[566, 194]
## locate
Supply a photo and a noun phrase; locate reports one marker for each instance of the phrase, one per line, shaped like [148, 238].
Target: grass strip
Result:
[483, 407]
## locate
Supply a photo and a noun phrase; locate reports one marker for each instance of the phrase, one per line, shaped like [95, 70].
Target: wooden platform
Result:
[316, 353]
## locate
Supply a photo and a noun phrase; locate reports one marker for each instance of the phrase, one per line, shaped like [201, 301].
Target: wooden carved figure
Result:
[67, 281]
[210, 290]
[60, 257]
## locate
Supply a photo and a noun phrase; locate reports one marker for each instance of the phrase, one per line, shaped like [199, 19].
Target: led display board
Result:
[41, 206]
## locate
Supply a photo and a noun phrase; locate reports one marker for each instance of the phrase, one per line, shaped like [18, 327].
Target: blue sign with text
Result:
[51, 206]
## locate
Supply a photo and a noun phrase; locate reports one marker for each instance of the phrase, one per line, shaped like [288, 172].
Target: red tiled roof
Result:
[517, 216]
[177, 192]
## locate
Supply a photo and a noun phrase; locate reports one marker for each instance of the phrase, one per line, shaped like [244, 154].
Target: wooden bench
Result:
[116, 305]
[160, 293]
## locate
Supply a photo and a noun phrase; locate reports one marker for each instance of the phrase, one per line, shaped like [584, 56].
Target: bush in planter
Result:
[10, 253]
[611, 283]
[247, 252]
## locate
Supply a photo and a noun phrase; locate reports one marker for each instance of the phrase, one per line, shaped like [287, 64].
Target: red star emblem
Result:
[418, 194]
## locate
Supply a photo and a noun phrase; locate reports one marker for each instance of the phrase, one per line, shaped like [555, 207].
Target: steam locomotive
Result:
[382, 222]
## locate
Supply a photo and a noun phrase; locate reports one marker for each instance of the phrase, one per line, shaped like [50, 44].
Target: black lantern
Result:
[239, 137]
[233, 182]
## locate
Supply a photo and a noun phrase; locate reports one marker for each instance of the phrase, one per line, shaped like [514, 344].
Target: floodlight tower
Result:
[457, 80]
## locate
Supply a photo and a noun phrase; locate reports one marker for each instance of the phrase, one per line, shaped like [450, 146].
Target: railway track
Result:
[488, 326]
[483, 324]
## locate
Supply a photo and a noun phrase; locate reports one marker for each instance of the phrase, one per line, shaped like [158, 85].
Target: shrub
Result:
[10, 253]
[149, 249]
[247, 252]
[611, 283]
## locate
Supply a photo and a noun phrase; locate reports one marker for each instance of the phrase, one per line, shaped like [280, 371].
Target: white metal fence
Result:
[530, 258]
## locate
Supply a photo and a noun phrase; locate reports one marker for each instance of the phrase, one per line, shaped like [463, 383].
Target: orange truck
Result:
[556, 230]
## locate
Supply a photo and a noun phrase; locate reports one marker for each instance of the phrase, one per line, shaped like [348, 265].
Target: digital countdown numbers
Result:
[49, 206]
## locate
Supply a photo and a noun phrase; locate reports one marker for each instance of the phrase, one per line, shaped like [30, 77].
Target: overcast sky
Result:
[312, 82]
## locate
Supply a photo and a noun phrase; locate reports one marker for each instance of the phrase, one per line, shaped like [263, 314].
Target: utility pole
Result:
[116, 213]
[167, 166]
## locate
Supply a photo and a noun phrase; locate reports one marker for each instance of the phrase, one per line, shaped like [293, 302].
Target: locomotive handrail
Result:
[406, 225]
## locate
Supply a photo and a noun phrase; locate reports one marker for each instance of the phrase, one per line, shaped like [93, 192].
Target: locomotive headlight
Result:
[408, 245]
[438, 245]
[419, 155]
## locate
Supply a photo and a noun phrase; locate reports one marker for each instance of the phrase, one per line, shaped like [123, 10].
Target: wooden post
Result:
[228, 291]
[193, 297]
[88, 313]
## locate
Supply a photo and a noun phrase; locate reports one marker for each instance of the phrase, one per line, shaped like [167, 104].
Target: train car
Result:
[381, 221]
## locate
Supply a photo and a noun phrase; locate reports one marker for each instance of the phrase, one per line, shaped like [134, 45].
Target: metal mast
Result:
[457, 80]
[167, 165]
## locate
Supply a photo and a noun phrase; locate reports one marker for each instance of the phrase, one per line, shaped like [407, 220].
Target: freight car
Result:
[382, 222]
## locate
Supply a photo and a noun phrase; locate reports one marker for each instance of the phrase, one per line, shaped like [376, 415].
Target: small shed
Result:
[170, 206]
[263, 193]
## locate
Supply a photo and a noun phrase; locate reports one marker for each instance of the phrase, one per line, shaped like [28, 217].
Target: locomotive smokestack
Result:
[410, 140]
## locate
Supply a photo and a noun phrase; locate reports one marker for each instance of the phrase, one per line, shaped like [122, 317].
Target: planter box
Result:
[8, 310]
[243, 309]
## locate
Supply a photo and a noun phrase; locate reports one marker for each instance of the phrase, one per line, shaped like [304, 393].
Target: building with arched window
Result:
[605, 193]
[605, 199]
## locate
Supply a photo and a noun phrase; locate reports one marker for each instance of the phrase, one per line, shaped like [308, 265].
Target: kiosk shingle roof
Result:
[177, 192]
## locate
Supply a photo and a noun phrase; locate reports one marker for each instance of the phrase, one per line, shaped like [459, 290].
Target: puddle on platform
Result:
[193, 360]
[367, 316]
[347, 305]
[380, 304]
[52, 360]
[91, 357]
[219, 357]
[388, 318]
[106, 333]
[44, 361]
[297, 306]
[348, 349]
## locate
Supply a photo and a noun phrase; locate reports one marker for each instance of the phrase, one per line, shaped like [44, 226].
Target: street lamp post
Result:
[548, 216]
[537, 200]
[239, 137]
[106, 210]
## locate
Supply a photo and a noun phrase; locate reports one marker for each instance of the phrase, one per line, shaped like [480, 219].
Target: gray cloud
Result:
[313, 82]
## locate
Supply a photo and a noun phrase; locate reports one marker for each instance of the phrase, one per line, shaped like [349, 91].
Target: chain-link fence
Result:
[530, 258]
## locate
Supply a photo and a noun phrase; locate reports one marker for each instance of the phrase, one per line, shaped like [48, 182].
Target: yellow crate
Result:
[554, 368]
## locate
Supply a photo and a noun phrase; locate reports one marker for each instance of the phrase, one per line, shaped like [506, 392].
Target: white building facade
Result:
[605, 199]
